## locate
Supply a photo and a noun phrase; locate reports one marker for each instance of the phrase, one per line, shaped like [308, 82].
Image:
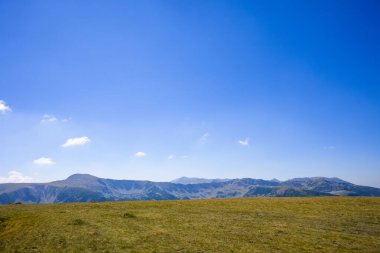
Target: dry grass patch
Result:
[217, 225]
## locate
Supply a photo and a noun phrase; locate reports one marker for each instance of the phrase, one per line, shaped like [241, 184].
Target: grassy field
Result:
[332, 224]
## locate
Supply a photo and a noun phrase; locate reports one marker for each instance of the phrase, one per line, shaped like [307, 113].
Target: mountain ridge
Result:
[86, 187]
[197, 180]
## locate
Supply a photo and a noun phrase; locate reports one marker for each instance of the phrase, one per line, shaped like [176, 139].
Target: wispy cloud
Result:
[44, 161]
[244, 142]
[15, 177]
[76, 141]
[204, 138]
[140, 154]
[330, 148]
[48, 119]
[171, 157]
[4, 108]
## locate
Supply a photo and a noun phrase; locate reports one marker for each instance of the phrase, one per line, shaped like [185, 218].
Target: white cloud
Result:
[44, 161]
[244, 142]
[76, 141]
[48, 119]
[15, 177]
[204, 138]
[171, 157]
[140, 154]
[4, 108]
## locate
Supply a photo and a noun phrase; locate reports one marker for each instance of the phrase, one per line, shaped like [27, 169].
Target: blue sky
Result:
[161, 89]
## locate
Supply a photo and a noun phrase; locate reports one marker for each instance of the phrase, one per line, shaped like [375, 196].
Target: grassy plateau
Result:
[319, 224]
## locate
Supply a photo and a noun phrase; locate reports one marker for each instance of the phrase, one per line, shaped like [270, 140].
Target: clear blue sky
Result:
[161, 89]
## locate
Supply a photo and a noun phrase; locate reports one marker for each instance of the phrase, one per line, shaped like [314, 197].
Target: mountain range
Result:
[86, 188]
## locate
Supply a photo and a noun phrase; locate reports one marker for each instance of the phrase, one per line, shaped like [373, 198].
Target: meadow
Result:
[318, 224]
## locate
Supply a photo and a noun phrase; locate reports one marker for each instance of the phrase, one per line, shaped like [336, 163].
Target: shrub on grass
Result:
[2, 222]
[78, 222]
[129, 215]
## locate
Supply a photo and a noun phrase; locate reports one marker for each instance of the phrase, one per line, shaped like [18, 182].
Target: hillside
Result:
[86, 188]
[335, 224]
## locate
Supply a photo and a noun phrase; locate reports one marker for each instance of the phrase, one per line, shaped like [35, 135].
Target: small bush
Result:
[78, 222]
[2, 221]
[129, 215]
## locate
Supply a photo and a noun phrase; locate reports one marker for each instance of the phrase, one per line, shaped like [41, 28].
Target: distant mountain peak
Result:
[196, 180]
[81, 177]
[329, 179]
[183, 178]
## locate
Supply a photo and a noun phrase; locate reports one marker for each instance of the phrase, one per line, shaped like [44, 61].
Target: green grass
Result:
[332, 224]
